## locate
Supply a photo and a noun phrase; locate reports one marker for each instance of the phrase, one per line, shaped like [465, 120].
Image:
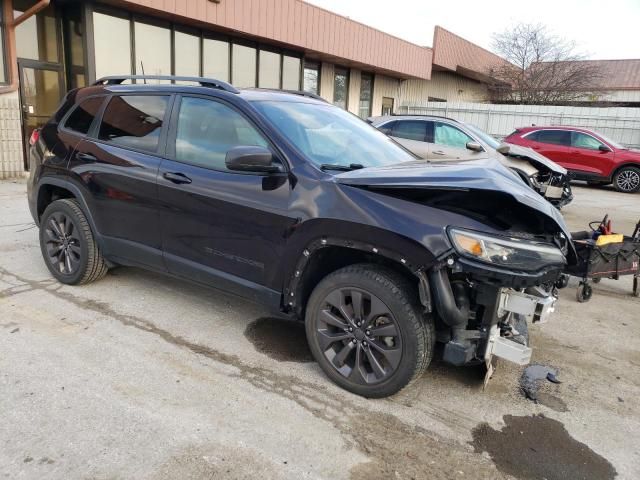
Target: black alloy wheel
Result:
[367, 331]
[68, 246]
[62, 243]
[359, 336]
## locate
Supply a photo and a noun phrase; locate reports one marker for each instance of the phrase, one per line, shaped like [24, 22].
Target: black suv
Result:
[291, 202]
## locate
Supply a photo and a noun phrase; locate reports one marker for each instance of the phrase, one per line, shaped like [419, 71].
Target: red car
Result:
[588, 155]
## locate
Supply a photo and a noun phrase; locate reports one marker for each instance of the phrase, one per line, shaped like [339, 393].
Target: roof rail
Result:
[304, 94]
[204, 82]
[423, 115]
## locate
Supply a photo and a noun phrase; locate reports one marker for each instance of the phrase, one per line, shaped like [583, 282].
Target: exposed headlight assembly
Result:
[507, 252]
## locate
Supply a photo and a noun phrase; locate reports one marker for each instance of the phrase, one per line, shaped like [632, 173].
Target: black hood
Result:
[476, 175]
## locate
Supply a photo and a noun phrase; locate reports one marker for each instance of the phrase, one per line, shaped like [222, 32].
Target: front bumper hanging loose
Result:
[534, 308]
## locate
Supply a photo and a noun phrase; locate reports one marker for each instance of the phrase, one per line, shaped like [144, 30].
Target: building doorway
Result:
[387, 106]
[40, 67]
[41, 88]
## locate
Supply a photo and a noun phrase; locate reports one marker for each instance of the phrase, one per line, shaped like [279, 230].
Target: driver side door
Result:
[450, 143]
[221, 227]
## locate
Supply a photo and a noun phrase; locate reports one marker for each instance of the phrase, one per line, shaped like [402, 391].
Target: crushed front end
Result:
[486, 290]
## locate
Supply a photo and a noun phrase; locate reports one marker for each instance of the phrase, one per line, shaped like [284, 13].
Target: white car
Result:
[443, 139]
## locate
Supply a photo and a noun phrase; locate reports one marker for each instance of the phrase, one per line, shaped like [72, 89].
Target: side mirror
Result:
[604, 148]
[474, 147]
[251, 159]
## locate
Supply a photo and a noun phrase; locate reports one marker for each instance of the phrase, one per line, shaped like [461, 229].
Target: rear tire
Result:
[367, 332]
[68, 246]
[627, 180]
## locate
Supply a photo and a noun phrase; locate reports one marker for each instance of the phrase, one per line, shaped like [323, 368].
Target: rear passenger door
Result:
[412, 134]
[118, 164]
[450, 143]
[555, 145]
[221, 227]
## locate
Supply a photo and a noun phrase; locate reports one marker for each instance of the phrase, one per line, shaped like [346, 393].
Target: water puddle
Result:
[537, 447]
[282, 340]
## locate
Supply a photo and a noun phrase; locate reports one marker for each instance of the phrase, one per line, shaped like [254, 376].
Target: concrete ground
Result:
[142, 376]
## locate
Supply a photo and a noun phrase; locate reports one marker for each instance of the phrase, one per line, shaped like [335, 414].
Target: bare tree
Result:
[542, 68]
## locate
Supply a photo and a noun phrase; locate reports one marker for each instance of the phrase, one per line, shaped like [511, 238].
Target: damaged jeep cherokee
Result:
[286, 200]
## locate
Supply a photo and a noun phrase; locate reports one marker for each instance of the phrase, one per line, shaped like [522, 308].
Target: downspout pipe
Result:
[452, 307]
[10, 39]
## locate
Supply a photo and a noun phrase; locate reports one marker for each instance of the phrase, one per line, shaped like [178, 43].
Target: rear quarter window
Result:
[387, 128]
[83, 115]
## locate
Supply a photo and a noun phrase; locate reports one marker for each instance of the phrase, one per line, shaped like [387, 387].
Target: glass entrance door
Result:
[41, 89]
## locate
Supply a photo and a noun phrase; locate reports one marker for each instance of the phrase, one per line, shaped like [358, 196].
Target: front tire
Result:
[68, 246]
[367, 332]
[627, 180]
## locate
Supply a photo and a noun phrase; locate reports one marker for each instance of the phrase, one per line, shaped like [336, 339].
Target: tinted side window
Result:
[134, 121]
[581, 140]
[387, 128]
[207, 130]
[531, 136]
[410, 129]
[82, 117]
[556, 137]
[445, 134]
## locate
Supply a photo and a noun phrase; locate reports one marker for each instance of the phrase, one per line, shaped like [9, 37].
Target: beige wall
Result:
[616, 96]
[448, 86]
[384, 86]
[445, 85]
[326, 81]
[11, 163]
[354, 90]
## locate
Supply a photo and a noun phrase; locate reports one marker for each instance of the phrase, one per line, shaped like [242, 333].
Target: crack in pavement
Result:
[394, 448]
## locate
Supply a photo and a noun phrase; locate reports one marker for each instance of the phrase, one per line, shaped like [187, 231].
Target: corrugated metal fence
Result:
[618, 123]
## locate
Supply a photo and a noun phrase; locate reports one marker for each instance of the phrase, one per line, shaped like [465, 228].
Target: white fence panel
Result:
[618, 123]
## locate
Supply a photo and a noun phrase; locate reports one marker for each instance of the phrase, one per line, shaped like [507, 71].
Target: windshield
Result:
[328, 135]
[484, 136]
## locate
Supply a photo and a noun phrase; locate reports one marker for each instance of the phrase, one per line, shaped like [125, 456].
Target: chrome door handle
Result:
[438, 152]
[177, 178]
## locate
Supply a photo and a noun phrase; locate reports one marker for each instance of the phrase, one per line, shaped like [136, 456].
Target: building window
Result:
[290, 73]
[153, 49]
[112, 40]
[269, 72]
[387, 106]
[340, 87]
[311, 77]
[215, 59]
[366, 94]
[187, 54]
[74, 38]
[37, 37]
[243, 68]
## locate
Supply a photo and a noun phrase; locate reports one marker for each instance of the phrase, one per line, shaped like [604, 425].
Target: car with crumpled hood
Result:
[440, 139]
[288, 201]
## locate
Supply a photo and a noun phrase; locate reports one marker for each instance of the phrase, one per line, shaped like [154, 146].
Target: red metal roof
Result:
[454, 53]
[617, 74]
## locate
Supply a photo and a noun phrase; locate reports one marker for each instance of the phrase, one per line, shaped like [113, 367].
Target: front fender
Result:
[318, 234]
